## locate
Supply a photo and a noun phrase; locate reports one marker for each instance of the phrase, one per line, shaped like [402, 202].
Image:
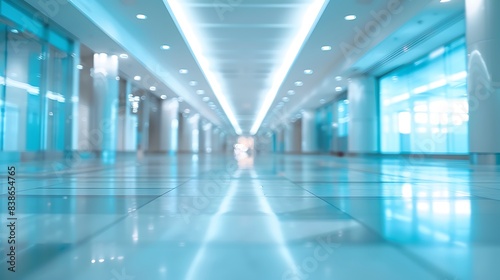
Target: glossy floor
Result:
[271, 217]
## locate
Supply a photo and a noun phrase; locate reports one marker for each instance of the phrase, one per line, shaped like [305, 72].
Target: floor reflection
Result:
[253, 216]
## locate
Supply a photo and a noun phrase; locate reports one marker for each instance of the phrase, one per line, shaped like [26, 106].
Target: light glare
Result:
[185, 25]
[310, 17]
[350, 17]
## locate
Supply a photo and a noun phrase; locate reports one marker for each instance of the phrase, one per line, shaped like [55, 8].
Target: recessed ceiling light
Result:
[308, 71]
[152, 88]
[117, 78]
[165, 47]
[200, 92]
[141, 16]
[180, 99]
[137, 78]
[187, 111]
[338, 78]
[163, 96]
[183, 71]
[15, 31]
[210, 103]
[281, 104]
[193, 83]
[299, 83]
[79, 67]
[206, 99]
[444, 1]
[123, 55]
[285, 99]
[326, 48]
[291, 92]
[338, 89]
[350, 17]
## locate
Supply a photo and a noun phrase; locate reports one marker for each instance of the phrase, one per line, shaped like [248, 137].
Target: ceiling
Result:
[245, 56]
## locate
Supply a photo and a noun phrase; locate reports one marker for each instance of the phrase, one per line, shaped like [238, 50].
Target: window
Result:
[35, 84]
[424, 106]
[22, 91]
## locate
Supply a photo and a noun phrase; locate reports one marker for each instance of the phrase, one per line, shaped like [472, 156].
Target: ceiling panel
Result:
[245, 43]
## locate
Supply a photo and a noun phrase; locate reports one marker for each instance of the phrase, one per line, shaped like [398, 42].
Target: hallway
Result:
[269, 217]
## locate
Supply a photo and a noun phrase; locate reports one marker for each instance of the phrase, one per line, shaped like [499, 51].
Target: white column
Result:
[127, 122]
[292, 137]
[220, 138]
[206, 137]
[169, 126]
[363, 117]
[144, 110]
[189, 134]
[130, 122]
[280, 139]
[75, 95]
[105, 103]
[483, 82]
[195, 133]
[309, 133]
[215, 140]
[335, 145]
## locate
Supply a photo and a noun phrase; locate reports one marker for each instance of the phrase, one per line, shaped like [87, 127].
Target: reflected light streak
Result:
[214, 226]
[407, 191]
[274, 226]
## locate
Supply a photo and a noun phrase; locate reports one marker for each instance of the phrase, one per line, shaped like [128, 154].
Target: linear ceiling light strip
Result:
[185, 26]
[309, 20]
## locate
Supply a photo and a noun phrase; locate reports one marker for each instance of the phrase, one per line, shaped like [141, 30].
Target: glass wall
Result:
[332, 125]
[424, 106]
[35, 81]
[342, 107]
[324, 119]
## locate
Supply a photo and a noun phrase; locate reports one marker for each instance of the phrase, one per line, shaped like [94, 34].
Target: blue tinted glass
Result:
[424, 107]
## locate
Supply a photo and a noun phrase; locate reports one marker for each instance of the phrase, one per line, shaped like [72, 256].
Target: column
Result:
[189, 134]
[483, 81]
[130, 122]
[218, 140]
[309, 133]
[169, 126]
[105, 104]
[74, 93]
[280, 139]
[363, 117]
[335, 145]
[292, 137]
[144, 110]
[206, 144]
[122, 106]
[215, 140]
[195, 133]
